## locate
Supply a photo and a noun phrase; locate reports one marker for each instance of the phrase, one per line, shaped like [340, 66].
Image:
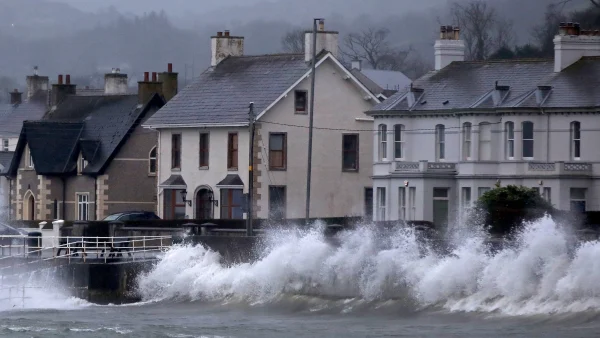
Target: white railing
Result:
[83, 248]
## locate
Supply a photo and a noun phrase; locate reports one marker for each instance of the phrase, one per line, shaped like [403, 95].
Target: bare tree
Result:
[293, 41]
[545, 32]
[483, 30]
[595, 3]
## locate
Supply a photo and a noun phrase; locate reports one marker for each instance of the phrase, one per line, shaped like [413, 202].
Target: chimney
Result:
[15, 97]
[326, 40]
[572, 43]
[169, 82]
[36, 83]
[148, 88]
[61, 90]
[449, 47]
[115, 83]
[357, 64]
[224, 45]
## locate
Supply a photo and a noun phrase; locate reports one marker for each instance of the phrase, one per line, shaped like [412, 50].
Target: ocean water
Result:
[371, 284]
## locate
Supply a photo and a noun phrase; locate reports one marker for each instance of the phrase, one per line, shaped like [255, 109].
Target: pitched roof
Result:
[472, 85]
[174, 181]
[221, 94]
[5, 158]
[13, 115]
[231, 180]
[94, 126]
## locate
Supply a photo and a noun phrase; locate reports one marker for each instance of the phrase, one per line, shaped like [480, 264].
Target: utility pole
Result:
[249, 225]
[311, 117]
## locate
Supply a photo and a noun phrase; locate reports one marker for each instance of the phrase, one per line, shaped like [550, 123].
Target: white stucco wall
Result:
[552, 144]
[334, 193]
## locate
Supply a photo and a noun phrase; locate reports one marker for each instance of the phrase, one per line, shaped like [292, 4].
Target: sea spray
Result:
[543, 271]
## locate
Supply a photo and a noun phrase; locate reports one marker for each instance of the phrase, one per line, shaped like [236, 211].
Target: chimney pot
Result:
[16, 90]
[170, 68]
[321, 25]
[219, 34]
[226, 34]
[154, 77]
[68, 79]
[60, 79]
[146, 76]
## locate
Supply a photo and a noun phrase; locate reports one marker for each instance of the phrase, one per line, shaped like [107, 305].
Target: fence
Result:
[98, 249]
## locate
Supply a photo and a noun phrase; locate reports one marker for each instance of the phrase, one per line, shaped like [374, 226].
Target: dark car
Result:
[132, 216]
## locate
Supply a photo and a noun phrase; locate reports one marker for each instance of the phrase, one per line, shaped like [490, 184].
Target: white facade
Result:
[340, 103]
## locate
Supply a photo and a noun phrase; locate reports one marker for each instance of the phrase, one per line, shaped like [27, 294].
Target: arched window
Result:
[399, 141]
[528, 140]
[509, 139]
[485, 141]
[382, 142]
[29, 206]
[466, 140]
[152, 162]
[575, 140]
[440, 142]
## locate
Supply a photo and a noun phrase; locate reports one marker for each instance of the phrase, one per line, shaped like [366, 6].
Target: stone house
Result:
[467, 126]
[89, 157]
[204, 136]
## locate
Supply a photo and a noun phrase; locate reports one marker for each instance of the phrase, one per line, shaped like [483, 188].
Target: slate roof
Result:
[386, 80]
[12, 117]
[221, 94]
[531, 84]
[231, 180]
[5, 158]
[95, 126]
[174, 181]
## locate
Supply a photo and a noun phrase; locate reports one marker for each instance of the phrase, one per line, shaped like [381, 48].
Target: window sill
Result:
[152, 174]
[176, 169]
[528, 158]
[232, 169]
[301, 112]
[351, 171]
[203, 168]
[277, 169]
[576, 159]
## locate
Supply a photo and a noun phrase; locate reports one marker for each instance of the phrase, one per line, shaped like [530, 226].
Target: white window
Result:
[482, 190]
[412, 200]
[510, 140]
[528, 140]
[402, 203]
[467, 141]
[578, 199]
[382, 142]
[83, 206]
[81, 164]
[466, 197]
[575, 140]
[381, 204]
[485, 141]
[440, 142]
[5, 144]
[28, 158]
[152, 162]
[547, 194]
[399, 141]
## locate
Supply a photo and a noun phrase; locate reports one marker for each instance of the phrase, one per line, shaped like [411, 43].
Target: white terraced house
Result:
[466, 126]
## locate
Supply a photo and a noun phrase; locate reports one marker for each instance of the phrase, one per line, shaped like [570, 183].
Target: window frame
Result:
[283, 200]
[228, 205]
[466, 197]
[440, 142]
[467, 130]
[232, 152]
[83, 206]
[382, 154]
[575, 140]
[356, 152]
[489, 133]
[153, 158]
[283, 152]
[402, 203]
[5, 144]
[524, 140]
[381, 203]
[176, 143]
[509, 145]
[303, 111]
[204, 150]
[399, 130]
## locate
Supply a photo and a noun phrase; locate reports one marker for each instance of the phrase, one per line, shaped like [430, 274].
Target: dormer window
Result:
[81, 164]
[28, 158]
[300, 99]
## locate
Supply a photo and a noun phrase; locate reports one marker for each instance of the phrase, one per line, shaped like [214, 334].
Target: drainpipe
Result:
[64, 194]
[95, 198]
[9, 197]
[547, 135]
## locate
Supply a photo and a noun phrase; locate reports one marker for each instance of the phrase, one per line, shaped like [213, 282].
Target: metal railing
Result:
[83, 248]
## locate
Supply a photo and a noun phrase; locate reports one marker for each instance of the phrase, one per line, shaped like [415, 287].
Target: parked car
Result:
[132, 216]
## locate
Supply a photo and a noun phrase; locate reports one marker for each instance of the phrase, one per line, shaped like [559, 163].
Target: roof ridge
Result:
[516, 60]
[263, 55]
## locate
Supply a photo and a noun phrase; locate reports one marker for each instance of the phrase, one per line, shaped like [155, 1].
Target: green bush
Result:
[503, 209]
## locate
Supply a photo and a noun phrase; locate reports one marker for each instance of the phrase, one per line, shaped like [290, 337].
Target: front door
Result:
[440, 206]
[203, 205]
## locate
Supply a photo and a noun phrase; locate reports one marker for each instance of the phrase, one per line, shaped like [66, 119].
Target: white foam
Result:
[543, 273]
